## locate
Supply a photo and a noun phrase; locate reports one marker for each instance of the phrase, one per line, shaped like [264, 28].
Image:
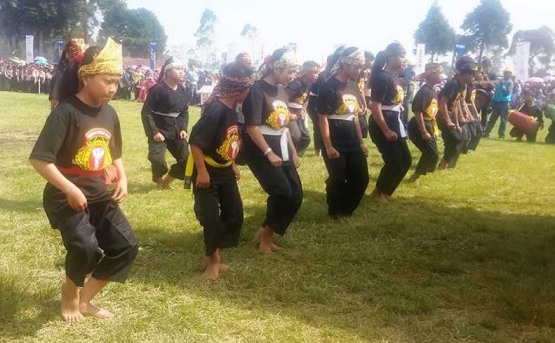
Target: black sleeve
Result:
[419, 103]
[54, 88]
[253, 106]
[450, 91]
[204, 131]
[379, 88]
[294, 90]
[323, 102]
[184, 116]
[146, 114]
[52, 135]
[116, 141]
[539, 114]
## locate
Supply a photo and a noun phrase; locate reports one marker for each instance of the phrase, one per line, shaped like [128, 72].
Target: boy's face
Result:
[101, 88]
[311, 77]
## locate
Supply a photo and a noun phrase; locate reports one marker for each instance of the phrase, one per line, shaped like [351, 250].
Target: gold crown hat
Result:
[109, 61]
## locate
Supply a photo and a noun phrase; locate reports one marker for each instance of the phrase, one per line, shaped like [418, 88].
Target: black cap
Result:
[466, 64]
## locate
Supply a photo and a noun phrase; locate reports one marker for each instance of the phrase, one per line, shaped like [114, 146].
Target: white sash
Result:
[283, 142]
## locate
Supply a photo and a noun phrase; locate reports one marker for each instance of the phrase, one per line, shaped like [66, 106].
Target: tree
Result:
[205, 32]
[542, 45]
[488, 25]
[250, 32]
[435, 32]
[134, 28]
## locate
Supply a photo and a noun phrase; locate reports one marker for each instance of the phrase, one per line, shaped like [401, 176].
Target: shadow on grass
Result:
[407, 261]
[21, 206]
[22, 312]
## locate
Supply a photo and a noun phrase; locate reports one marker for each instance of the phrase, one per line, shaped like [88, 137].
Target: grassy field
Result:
[466, 256]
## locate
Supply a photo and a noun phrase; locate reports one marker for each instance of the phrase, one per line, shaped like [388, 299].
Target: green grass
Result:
[466, 256]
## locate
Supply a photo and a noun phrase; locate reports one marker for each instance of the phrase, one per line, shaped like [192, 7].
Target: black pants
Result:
[396, 155]
[550, 138]
[219, 210]
[501, 111]
[466, 136]
[98, 240]
[347, 182]
[157, 157]
[453, 141]
[531, 137]
[299, 134]
[476, 132]
[363, 126]
[285, 192]
[316, 136]
[430, 154]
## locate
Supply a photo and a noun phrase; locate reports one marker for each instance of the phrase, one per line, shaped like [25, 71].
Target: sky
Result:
[319, 26]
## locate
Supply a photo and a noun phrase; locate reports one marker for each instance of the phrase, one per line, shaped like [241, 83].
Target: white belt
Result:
[395, 108]
[171, 115]
[283, 142]
[313, 94]
[295, 105]
[345, 117]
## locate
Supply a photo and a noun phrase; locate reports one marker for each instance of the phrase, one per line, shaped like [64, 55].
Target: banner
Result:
[521, 61]
[60, 51]
[153, 50]
[420, 62]
[29, 54]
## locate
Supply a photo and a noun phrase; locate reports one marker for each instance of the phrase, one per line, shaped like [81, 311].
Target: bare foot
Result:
[212, 271]
[442, 166]
[256, 239]
[414, 178]
[70, 303]
[276, 248]
[160, 183]
[88, 309]
[224, 267]
[167, 183]
[379, 197]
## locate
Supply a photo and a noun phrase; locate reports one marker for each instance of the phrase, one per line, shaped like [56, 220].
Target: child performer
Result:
[339, 104]
[534, 111]
[298, 91]
[423, 129]
[386, 128]
[165, 117]
[78, 148]
[450, 111]
[269, 149]
[215, 142]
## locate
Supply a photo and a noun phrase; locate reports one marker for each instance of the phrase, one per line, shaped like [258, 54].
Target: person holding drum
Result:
[534, 122]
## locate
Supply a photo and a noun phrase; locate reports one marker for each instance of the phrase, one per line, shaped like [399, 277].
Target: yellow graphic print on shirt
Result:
[431, 112]
[280, 116]
[350, 105]
[400, 96]
[95, 154]
[473, 95]
[231, 146]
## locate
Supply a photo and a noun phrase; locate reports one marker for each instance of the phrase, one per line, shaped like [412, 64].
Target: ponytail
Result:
[379, 62]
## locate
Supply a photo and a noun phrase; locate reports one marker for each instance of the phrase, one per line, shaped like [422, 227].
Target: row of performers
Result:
[270, 131]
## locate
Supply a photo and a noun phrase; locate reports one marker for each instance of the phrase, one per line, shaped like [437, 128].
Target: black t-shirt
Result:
[386, 89]
[336, 97]
[470, 93]
[162, 99]
[533, 111]
[454, 90]
[298, 94]
[425, 102]
[265, 105]
[217, 133]
[78, 136]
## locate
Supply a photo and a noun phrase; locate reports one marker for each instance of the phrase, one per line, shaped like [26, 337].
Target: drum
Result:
[523, 122]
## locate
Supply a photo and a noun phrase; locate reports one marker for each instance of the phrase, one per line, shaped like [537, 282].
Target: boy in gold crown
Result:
[79, 152]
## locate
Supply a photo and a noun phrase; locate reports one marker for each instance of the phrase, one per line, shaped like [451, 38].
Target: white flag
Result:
[420, 54]
[29, 55]
[521, 61]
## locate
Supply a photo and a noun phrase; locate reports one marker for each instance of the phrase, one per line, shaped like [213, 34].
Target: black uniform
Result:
[82, 142]
[298, 96]
[348, 174]
[533, 111]
[312, 110]
[396, 155]
[425, 102]
[266, 107]
[218, 208]
[166, 111]
[474, 127]
[453, 140]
